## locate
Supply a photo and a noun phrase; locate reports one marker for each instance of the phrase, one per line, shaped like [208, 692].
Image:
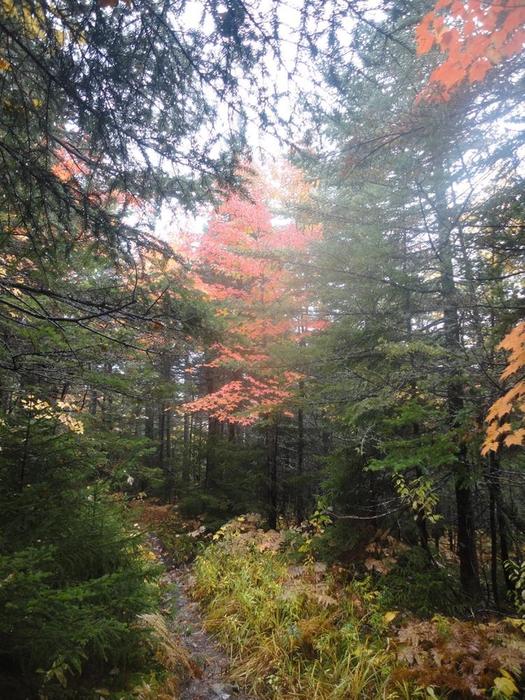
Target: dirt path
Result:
[187, 622]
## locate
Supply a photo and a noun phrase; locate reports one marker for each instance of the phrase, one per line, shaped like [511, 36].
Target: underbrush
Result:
[289, 629]
[182, 539]
[306, 632]
[413, 584]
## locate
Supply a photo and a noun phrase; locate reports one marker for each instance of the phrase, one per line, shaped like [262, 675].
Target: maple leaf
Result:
[424, 36]
[473, 38]
[239, 262]
[515, 438]
[510, 402]
[478, 69]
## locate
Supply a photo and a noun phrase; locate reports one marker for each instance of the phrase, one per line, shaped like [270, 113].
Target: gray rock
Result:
[221, 690]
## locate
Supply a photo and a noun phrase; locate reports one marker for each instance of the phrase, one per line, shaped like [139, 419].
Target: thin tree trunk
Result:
[468, 560]
[186, 450]
[272, 451]
[503, 538]
[211, 452]
[161, 435]
[299, 507]
[493, 515]
[170, 476]
[149, 426]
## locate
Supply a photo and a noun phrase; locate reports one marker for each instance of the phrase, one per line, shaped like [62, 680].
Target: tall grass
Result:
[289, 634]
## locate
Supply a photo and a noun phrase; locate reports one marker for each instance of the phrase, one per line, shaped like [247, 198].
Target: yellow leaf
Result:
[505, 685]
[390, 616]
[489, 446]
[60, 37]
[516, 622]
[8, 7]
[514, 338]
[4, 65]
[515, 438]
[516, 363]
[31, 23]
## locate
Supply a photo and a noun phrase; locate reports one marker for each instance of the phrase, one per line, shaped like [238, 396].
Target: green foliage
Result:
[516, 574]
[129, 459]
[414, 435]
[73, 576]
[233, 486]
[181, 546]
[418, 494]
[200, 503]
[415, 585]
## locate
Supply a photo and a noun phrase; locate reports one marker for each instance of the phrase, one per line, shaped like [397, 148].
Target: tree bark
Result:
[299, 507]
[186, 449]
[493, 530]
[272, 452]
[468, 560]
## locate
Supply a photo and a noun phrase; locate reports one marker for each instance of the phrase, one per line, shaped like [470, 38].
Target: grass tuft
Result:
[294, 634]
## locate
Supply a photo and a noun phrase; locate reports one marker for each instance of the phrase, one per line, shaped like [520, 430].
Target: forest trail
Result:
[212, 682]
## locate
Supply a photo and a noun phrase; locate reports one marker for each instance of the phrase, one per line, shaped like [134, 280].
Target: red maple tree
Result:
[245, 265]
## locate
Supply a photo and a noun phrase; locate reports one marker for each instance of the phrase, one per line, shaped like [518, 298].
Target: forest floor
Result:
[210, 678]
[298, 628]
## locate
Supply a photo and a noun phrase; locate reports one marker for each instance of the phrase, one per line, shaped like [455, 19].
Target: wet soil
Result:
[211, 679]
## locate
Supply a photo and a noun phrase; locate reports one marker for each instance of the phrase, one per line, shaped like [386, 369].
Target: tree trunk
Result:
[272, 451]
[493, 530]
[299, 506]
[503, 534]
[186, 449]
[211, 452]
[468, 561]
[214, 430]
[170, 475]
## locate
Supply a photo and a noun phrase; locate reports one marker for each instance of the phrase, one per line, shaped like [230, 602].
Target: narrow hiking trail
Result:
[210, 682]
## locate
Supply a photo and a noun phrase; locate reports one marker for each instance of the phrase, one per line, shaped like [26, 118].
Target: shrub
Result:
[73, 574]
[415, 585]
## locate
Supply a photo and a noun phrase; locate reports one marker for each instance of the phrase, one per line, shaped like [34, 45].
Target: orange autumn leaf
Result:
[424, 36]
[240, 265]
[516, 438]
[510, 404]
[478, 70]
[472, 37]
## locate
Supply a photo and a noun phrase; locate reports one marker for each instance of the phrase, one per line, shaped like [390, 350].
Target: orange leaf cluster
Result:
[474, 36]
[241, 401]
[513, 401]
[67, 167]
